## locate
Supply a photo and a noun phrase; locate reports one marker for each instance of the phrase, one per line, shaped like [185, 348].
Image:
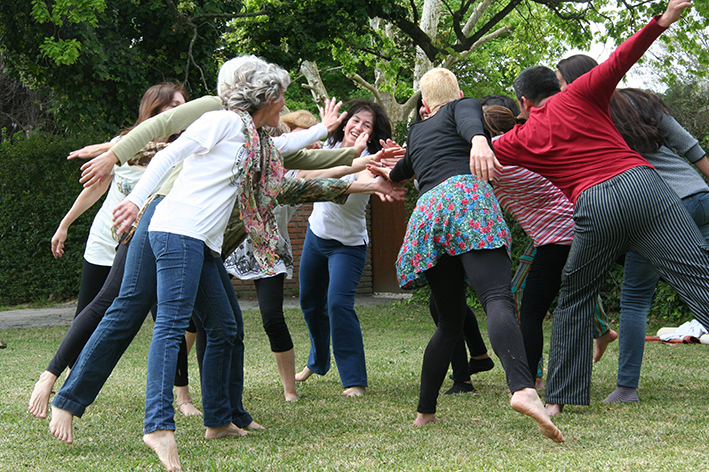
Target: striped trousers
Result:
[633, 211]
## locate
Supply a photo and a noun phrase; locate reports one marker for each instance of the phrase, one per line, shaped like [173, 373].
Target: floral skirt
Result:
[458, 215]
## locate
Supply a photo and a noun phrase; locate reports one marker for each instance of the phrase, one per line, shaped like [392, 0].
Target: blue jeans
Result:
[329, 275]
[184, 267]
[118, 327]
[122, 322]
[639, 281]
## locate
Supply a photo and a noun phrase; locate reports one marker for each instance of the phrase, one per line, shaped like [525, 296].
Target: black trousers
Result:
[488, 272]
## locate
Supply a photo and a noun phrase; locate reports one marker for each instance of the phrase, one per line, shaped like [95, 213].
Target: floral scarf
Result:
[260, 185]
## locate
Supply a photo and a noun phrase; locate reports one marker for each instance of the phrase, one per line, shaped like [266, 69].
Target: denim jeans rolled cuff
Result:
[72, 407]
[243, 420]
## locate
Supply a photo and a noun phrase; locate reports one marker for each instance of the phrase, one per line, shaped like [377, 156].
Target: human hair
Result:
[247, 83]
[274, 132]
[155, 99]
[575, 66]
[381, 128]
[299, 119]
[500, 100]
[637, 115]
[438, 87]
[536, 84]
[419, 104]
[498, 119]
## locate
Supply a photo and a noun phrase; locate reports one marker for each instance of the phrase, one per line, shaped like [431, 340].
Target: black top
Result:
[439, 147]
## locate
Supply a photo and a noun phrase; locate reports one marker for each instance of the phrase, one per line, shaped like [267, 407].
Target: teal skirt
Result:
[459, 215]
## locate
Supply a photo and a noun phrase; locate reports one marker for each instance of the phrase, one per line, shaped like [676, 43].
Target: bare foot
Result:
[553, 409]
[39, 400]
[602, 343]
[303, 375]
[290, 396]
[184, 402]
[539, 383]
[527, 402]
[227, 431]
[423, 419]
[61, 425]
[254, 425]
[163, 443]
[356, 391]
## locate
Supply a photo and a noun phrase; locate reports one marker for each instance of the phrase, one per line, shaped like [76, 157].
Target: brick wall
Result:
[297, 228]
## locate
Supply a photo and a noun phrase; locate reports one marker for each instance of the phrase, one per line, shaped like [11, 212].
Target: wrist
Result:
[110, 155]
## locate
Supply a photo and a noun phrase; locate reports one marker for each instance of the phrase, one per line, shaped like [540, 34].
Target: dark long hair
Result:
[154, 99]
[574, 67]
[637, 115]
[381, 127]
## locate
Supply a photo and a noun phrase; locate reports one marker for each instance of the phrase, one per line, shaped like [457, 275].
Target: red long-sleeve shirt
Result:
[571, 139]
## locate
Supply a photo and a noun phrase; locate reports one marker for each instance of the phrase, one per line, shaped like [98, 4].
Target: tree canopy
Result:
[97, 56]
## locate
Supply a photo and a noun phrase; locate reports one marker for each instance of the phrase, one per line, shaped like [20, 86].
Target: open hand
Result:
[98, 169]
[329, 116]
[124, 215]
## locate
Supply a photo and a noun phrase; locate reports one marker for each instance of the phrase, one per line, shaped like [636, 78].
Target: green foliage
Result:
[38, 186]
[99, 56]
[689, 101]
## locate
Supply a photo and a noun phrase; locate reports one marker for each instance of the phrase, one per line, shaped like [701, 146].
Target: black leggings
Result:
[85, 323]
[270, 301]
[471, 336]
[541, 286]
[92, 278]
[488, 272]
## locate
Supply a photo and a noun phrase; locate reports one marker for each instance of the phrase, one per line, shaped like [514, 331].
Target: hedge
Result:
[37, 187]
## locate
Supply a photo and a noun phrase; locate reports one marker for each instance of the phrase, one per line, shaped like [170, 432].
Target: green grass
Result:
[668, 430]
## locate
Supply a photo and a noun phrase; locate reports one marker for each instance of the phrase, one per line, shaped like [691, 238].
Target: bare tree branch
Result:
[363, 83]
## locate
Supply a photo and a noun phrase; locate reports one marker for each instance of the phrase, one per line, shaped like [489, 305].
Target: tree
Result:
[98, 56]
[388, 50]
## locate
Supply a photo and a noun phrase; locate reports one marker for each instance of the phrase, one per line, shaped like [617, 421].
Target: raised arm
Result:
[601, 81]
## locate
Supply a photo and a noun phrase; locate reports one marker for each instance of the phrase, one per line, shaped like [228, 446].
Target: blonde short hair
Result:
[299, 119]
[438, 87]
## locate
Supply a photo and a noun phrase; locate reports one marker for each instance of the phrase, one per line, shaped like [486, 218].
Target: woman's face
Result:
[423, 112]
[360, 122]
[176, 101]
[562, 82]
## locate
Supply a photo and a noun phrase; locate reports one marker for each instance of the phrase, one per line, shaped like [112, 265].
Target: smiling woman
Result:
[335, 249]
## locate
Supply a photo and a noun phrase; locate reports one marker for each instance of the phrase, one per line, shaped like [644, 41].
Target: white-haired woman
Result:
[226, 158]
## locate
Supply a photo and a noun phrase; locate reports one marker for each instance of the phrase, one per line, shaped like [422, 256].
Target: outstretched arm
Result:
[164, 124]
[90, 151]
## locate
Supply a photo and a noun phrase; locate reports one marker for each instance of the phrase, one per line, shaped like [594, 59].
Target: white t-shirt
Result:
[201, 200]
[345, 223]
[102, 241]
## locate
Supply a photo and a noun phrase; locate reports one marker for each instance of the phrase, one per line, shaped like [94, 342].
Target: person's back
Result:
[437, 149]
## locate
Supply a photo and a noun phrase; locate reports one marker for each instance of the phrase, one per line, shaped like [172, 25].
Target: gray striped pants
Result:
[633, 211]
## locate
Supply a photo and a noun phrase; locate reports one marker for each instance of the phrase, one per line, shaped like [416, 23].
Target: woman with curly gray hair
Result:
[175, 253]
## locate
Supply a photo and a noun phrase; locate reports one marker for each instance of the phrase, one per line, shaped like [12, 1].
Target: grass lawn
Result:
[668, 430]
